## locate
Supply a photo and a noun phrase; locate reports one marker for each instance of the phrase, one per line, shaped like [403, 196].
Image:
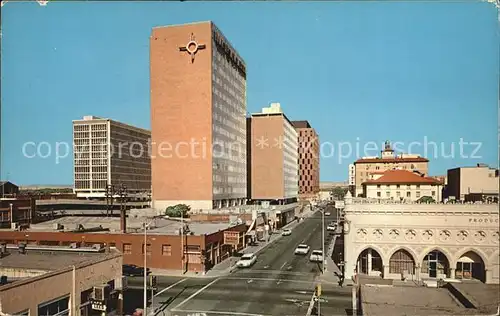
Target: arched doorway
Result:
[470, 266]
[436, 265]
[402, 263]
[369, 262]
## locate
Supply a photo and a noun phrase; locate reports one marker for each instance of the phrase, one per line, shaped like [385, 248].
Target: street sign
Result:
[231, 238]
[339, 204]
[98, 305]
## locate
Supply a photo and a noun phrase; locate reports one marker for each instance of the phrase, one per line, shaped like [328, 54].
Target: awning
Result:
[252, 226]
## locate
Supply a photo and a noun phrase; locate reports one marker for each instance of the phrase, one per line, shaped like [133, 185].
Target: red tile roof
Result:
[391, 160]
[402, 177]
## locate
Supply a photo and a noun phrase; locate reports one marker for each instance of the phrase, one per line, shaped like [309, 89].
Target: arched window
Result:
[402, 262]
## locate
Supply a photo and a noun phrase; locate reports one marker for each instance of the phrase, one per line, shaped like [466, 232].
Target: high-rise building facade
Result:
[273, 156]
[108, 152]
[198, 113]
[309, 152]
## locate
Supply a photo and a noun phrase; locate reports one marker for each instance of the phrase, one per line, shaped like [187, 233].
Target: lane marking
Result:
[194, 294]
[218, 313]
[169, 287]
[284, 263]
[268, 279]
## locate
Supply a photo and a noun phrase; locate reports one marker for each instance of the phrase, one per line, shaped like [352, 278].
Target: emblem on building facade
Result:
[192, 47]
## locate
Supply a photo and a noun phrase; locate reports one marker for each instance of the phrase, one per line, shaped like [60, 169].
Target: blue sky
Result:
[357, 71]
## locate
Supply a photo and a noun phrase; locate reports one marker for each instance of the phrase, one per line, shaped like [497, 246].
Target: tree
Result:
[179, 210]
[338, 193]
[426, 199]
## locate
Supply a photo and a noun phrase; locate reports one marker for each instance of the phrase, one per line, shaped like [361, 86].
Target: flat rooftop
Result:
[421, 301]
[48, 260]
[159, 225]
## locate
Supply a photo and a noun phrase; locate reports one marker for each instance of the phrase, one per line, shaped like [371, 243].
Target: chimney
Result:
[123, 221]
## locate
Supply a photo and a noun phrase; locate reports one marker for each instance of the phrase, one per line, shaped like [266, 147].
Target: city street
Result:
[280, 283]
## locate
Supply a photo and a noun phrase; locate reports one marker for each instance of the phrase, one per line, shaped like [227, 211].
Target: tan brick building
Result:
[388, 160]
[198, 112]
[309, 153]
[479, 182]
[273, 156]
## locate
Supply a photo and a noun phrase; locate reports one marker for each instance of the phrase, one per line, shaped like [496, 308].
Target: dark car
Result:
[133, 270]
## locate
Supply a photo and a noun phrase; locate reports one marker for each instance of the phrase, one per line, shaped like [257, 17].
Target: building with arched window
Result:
[395, 240]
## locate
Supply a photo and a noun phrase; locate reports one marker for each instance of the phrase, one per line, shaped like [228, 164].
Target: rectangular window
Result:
[408, 194]
[127, 249]
[408, 187]
[378, 186]
[433, 193]
[417, 195]
[378, 194]
[388, 194]
[418, 186]
[148, 249]
[398, 186]
[166, 250]
[398, 194]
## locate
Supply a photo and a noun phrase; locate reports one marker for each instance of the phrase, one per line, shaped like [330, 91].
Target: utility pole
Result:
[110, 192]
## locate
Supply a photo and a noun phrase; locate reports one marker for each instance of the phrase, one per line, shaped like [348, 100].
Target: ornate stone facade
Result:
[454, 230]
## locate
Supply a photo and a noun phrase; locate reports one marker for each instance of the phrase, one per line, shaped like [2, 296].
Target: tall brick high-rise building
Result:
[198, 118]
[272, 162]
[309, 152]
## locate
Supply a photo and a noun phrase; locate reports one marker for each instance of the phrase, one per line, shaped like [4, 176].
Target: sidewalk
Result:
[226, 266]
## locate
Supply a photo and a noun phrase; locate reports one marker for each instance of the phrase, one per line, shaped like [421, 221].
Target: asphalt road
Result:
[280, 283]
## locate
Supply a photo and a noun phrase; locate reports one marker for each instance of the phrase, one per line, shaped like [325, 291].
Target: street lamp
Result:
[323, 240]
[146, 225]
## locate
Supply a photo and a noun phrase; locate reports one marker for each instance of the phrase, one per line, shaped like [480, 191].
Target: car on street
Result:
[286, 232]
[302, 249]
[132, 270]
[328, 213]
[316, 256]
[247, 260]
[332, 227]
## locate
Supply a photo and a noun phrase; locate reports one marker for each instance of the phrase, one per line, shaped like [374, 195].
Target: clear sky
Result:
[357, 71]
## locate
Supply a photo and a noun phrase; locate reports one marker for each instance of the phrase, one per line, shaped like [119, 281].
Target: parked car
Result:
[286, 232]
[316, 256]
[133, 270]
[332, 227]
[328, 213]
[302, 249]
[247, 260]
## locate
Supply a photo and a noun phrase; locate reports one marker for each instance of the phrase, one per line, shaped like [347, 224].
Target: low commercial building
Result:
[109, 153]
[401, 185]
[407, 298]
[477, 183]
[203, 244]
[8, 189]
[16, 213]
[54, 280]
[421, 241]
[272, 150]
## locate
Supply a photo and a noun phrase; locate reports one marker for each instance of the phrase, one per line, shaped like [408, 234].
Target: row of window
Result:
[408, 194]
[228, 69]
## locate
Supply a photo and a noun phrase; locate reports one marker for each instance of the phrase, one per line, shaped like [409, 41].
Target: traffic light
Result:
[153, 280]
[318, 290]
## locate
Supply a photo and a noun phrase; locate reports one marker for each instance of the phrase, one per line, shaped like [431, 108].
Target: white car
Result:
[286, 232]
[247, 260]
[327, 214]
[332, 227]
[316, 256]
[302, 249]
